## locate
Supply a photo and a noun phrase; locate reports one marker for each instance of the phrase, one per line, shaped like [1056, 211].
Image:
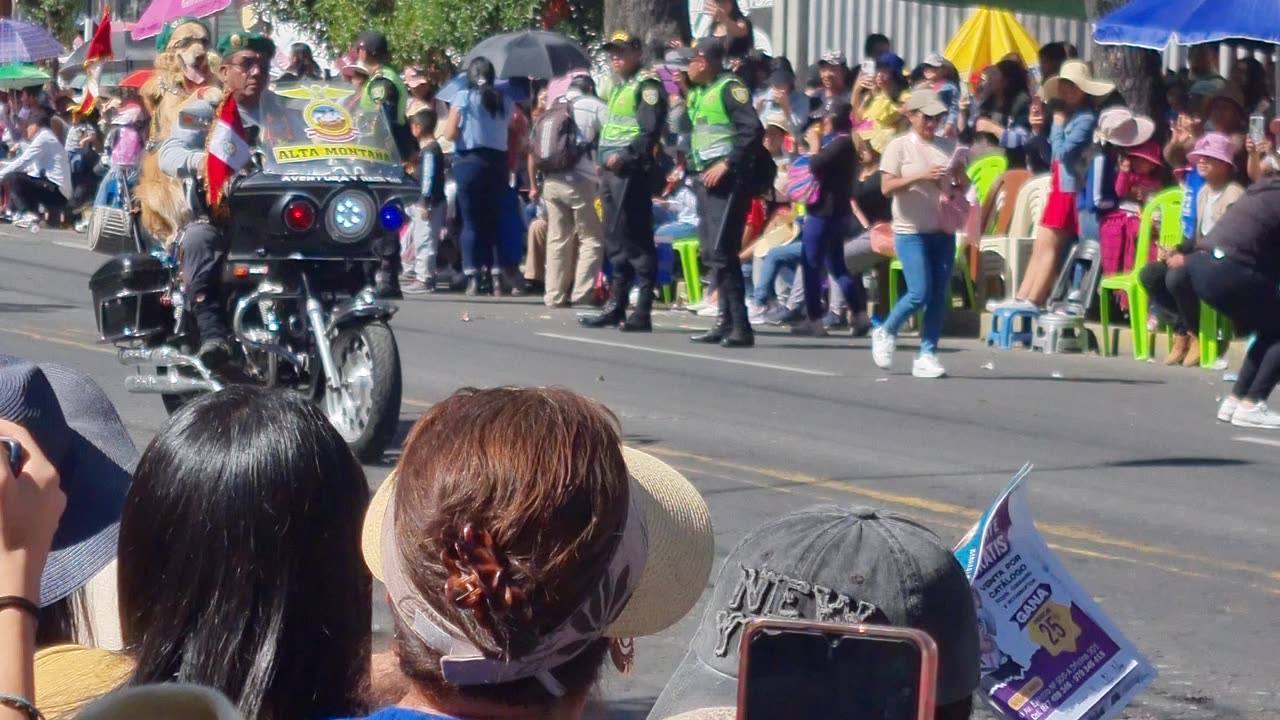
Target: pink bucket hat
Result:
[1214, 146]
[1149, 151]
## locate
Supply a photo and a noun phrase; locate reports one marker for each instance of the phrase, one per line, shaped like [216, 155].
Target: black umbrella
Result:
[532, 54]
[127, 54]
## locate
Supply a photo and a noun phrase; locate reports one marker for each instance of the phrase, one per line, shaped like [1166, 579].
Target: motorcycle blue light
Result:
[392, 216]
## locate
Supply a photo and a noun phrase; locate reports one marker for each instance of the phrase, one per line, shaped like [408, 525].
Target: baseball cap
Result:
[925, 101]
[81, 433]
[374, 43]
[622, 39]
[831, 564]
[934, 60]
[355, 68]
[673, 542]
[834, 57]
[413, 77]
[778, 120]
[710, 48]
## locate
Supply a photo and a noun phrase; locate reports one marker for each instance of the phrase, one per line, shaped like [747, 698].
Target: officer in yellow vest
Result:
[385, 88]
[726, 136]
[628, 147]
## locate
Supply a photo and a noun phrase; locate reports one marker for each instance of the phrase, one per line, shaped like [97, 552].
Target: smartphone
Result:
[959, 158]
[1257, 128]
[795, 669]
[868, 68]
[13, 453]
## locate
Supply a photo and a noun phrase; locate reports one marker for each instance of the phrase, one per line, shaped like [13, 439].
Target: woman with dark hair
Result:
[1002, 115]
[729, 22]
[302, 64]
[832, 160]
[877, 99]
[1250, 77]
[478, 122]
[521, 546]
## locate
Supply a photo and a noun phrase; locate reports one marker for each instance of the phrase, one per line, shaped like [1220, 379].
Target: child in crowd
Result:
[429, 218]
[941, 77]
[1141, 175]
[675, 214]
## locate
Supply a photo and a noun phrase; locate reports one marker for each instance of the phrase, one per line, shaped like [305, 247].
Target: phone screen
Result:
[814, 674]
[868, 68]
[1257, 128]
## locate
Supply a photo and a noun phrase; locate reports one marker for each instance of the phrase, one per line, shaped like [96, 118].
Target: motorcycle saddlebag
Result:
[127, 296]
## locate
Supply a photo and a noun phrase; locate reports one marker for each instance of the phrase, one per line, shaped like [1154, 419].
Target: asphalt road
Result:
[1164, 515]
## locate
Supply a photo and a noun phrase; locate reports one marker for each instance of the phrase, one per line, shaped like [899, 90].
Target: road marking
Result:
[58, 341]
[695, 356]
[1067, 532]
[72, 245]
[1257, 440]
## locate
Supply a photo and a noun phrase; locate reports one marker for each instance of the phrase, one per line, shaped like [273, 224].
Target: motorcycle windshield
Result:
[318, 130]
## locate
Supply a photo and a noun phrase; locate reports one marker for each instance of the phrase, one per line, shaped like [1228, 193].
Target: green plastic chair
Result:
[1167, 204]
[687, 250]
[982, 173]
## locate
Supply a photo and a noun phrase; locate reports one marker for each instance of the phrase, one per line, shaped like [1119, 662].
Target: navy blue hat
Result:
[78, 428]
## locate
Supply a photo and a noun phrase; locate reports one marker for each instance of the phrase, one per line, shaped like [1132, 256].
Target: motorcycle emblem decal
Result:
[328, 121]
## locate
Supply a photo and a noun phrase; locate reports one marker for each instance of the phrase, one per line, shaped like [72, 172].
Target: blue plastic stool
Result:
[666, 264]
[1003, 333]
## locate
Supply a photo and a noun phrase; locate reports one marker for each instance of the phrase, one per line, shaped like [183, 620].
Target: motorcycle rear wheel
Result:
[366, 409]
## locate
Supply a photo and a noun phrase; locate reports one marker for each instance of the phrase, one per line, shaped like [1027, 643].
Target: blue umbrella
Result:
[22, 42]
[517, 92]
[1155, 24]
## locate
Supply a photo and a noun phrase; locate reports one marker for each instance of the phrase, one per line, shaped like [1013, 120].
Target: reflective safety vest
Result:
[620, 126]
[367, 103]
[712, 127]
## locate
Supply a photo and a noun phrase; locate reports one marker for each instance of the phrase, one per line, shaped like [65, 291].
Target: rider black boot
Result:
[387, 281]
[216, 349]
[615, 310]
[640, 318]
[721, 328]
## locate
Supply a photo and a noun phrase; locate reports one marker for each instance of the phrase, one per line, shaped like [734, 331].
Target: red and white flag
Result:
[98, 52]
[227, 151]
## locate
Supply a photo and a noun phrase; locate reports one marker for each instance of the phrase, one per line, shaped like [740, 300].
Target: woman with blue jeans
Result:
[915, 166]
[477, 124]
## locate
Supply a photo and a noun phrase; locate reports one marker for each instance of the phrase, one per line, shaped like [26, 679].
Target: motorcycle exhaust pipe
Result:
[163, 355]
[176, 384]
[168, 356]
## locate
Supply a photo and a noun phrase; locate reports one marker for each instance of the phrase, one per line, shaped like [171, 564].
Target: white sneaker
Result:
[1011, 304]
[1228, 408]
[704, 303]
[926, 365]
[882, 346]
[710, 311]
[808, 328]
[26, 220]
[755, 313]
[1258, 416]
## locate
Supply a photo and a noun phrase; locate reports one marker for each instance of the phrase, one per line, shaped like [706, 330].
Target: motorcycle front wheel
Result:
[365, 409]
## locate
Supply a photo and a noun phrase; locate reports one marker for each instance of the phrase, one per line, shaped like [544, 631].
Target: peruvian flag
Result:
[227, 151]
[99, 51]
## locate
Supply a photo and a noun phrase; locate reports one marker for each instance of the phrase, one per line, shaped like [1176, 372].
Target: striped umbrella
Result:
[22, 42]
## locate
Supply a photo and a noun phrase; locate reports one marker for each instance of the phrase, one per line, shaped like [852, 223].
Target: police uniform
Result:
[632, 132]
[202, 246]
[726, 128]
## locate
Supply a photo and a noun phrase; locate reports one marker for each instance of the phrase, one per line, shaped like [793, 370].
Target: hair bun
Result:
[481, 578]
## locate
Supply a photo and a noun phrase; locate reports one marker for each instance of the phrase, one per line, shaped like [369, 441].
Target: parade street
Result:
[1165, 516]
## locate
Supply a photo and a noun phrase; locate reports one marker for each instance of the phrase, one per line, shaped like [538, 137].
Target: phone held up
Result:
[1257, 128]
[13, 453]
[794, 669]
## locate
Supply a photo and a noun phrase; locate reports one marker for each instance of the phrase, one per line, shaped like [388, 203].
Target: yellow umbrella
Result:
[986, 38]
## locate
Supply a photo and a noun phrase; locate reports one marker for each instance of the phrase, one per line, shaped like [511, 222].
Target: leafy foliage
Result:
[428, 31]
[58, 16]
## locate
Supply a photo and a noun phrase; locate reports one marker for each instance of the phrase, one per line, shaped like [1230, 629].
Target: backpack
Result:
[557, 144]
[801, 185]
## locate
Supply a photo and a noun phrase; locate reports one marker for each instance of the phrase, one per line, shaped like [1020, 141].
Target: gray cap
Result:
[831, 564]
[925, 101]
[77, 427]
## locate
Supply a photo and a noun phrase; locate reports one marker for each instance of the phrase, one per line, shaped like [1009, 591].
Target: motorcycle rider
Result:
[629, 140]
[386, 88]
[245, 68]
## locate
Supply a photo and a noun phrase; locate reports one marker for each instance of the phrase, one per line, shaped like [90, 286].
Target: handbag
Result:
[802, 187]
[882, 239]
[953, 210]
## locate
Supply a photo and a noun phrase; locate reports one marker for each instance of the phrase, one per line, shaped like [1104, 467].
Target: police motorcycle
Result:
[324, 183]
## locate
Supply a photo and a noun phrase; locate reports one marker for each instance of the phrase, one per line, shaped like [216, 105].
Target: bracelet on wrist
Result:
[22, 705]
[18, 602]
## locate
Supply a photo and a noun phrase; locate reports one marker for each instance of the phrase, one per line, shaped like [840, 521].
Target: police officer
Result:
[726, 136]
[628, 147]
[387, 90]
[245, 72]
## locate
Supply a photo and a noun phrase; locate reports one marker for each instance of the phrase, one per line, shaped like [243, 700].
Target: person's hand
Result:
[1176, 260]
[676, 44]
[712, 176]
[613, 163]
[1162, 253]
[1059, 118]
[867, 82]
[783, 99]
[935, 173]
[949, 131]
[1265, 147]
[813, 138]
[534, 192]
[30, 505]
[1035, 115]
[987, 125]
[1125, 165]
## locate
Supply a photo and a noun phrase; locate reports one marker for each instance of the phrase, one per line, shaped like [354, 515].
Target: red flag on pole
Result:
[98, 52]
[227, 150]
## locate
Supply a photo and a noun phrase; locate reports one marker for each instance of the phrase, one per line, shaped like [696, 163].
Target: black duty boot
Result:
[614, 311]
[721, 328]
[216, 348]
[640, 319]
[386, 283]
[740, 333]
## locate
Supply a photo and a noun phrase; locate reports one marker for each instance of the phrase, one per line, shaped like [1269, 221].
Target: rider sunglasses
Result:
[187, 42]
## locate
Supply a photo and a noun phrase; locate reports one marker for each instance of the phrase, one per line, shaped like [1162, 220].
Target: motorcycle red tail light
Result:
[299, 215]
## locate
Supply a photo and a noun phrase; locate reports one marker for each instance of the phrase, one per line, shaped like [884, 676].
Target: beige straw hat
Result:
[162, 702]
[719, 713]
[1077, 73]
[681, 545]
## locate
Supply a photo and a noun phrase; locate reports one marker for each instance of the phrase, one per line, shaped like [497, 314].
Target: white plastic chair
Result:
[1005, 255]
